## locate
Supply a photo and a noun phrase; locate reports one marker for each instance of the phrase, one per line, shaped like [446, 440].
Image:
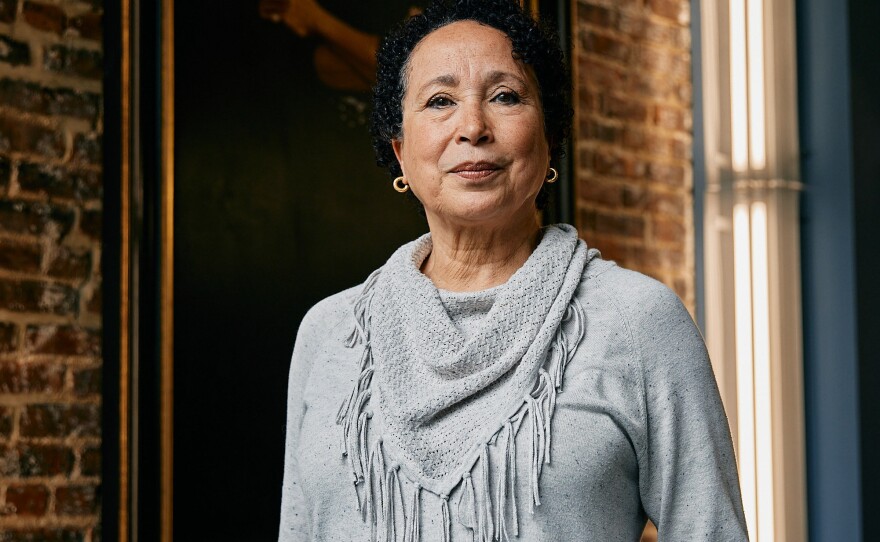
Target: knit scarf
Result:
[445, 397]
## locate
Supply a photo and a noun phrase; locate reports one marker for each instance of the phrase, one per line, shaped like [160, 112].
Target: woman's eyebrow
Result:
[447, 80]
[498, 75]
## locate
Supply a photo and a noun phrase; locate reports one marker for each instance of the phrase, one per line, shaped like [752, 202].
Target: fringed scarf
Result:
[446, 398]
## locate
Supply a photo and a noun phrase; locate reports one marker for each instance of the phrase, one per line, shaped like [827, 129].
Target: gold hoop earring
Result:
[553, 176]
[400, 185]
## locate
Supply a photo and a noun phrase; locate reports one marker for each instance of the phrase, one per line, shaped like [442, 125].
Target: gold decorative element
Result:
[553, 176]
[124, 276]
[167, 276]
[400, 185]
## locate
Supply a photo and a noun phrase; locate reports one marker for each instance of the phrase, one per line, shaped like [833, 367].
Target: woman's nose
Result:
[474, 127]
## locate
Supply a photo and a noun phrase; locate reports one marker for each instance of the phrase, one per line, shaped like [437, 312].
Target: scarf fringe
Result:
[383, 486]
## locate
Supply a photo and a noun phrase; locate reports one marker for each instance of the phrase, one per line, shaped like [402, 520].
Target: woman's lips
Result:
[476, 170]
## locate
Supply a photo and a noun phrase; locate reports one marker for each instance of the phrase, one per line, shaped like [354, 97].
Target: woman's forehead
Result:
[462, 49]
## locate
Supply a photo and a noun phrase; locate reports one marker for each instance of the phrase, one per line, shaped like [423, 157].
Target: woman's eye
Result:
[506, 98]
[439, 101]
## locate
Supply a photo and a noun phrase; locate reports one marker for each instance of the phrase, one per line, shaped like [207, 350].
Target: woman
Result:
[450, 361]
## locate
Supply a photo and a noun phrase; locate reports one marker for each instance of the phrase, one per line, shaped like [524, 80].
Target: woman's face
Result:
[473, 148]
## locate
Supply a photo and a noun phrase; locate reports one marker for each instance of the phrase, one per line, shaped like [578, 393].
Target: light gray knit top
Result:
[638, 433]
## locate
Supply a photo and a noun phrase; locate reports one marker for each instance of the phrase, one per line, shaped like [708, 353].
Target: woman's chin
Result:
[479, 209]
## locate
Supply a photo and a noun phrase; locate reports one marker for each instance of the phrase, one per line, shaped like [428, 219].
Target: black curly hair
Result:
[533, 43]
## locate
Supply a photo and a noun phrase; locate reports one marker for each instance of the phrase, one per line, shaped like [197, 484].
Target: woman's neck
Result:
[469, 259]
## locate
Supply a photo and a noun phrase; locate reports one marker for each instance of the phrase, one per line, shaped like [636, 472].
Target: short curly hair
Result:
[532, 42]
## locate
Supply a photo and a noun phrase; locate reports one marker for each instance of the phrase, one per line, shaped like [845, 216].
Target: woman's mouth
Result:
[476, 170]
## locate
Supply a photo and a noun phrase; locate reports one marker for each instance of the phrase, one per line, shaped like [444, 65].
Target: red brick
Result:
[8, 464]
[668, 35]
[619, 166]
[16, 377]
[635, 196]
[45, 460]
[90, 223]
[61, 420]
[18, 135]
[90, 462]
[70, 263]
[659, 145]
[587, 159]
[675, 10]
[37, 296]
[664, 258]
[684, 92]
[6, 414]
[595, 129]
[28, 500]
[20, 256]
[598, 75]
[671, 118]
[601, 192]
[35, 218]
[634, 138]
[652, 85]
[95, 303]
[667, 174]
[34, 98]
[615, 195]
[668, 204]
[50, 18]
[88, 25]
[668, 230]
[84, 63]
[14, 52]
[624, 108]
[87, 149]
[613, 224]
[44, 17]
[79, 500]
[682, 150]
[63, 340]
[632, 24]
[7, 10]
[598, 15]
[623, 252]
[87, 382]
[670, 65]
[60, 182]
[36, 534]
[8, 337]
[22, 95]
[606, 46]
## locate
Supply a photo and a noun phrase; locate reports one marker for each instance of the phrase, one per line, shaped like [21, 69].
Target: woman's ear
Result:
[397, 146]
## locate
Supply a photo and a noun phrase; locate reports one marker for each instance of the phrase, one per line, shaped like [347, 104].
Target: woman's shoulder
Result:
[329, 318]
[647, 312]
[661, 334]
[635, 295]
[332, 308]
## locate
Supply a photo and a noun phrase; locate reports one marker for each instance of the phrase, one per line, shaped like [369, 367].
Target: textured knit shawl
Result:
[442, 395]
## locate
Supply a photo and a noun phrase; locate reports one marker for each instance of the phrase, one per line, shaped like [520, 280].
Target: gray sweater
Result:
[639, 431]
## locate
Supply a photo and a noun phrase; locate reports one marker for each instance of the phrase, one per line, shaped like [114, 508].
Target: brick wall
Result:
[50, 298]
[634, 128]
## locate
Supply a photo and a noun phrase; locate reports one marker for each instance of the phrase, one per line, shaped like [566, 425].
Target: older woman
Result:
[428, 403]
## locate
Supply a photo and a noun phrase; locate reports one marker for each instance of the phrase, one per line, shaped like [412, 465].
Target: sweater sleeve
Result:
[295, 524]
[687, 470]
